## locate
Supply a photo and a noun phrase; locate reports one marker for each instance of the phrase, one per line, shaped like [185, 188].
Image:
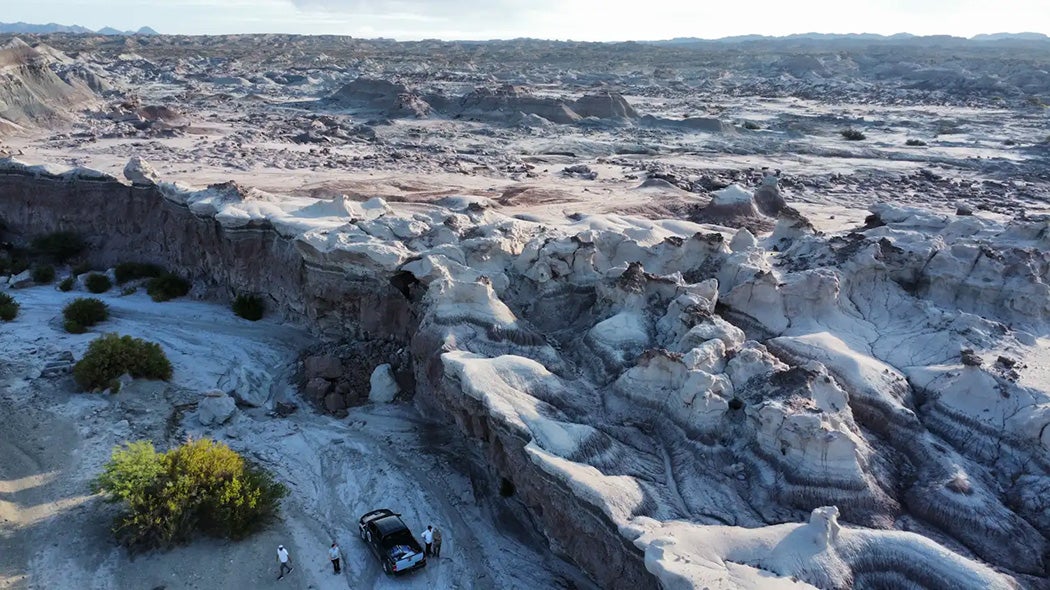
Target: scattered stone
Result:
[580, 171]
[970, 358]
[215, 408]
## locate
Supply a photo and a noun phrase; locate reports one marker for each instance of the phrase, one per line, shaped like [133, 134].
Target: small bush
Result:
[110, 356]
[43, 274]
[915, 142]
[249, 307]
[167, 287]
[8, 307]
[129, 271]
[59, 246]
[13, 265]
[852, 134]
[66, 284]
[751, 125]
[201, 486]
[84, 312]
[80, 268]
[130, 290]
[97, 283]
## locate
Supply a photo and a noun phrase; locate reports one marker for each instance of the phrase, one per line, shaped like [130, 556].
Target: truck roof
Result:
[389, 525]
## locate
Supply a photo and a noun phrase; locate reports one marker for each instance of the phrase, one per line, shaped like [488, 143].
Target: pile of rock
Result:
[355, 373]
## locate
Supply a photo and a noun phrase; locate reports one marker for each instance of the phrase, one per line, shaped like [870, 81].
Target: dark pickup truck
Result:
[391, 541]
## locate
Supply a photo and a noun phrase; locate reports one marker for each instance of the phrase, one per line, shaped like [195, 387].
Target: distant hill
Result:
[32, 29]
[41, 29]
[852, 37]
[1011, 36]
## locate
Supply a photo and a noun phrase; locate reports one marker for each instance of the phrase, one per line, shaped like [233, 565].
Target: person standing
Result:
[428, 539]
[284, 560]
[437, 542]
[333, 554]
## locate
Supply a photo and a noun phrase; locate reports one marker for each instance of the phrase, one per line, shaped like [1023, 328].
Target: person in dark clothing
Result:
[437, 542]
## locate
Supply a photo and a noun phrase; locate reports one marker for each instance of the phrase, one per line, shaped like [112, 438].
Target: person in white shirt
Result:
[284, 560]
[428, 539]
[333, 554]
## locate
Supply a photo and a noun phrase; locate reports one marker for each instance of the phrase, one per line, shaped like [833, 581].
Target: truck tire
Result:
[386, 568]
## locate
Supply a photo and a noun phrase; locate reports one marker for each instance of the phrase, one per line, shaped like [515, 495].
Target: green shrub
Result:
[915, 142]
[59, 246]
[201, 486]
[13, 264]
[249, 307]
[97, 283]
[84, 312]
[751, 125]
[852, 134]
[80, 268]
[110, 356]
[129, 290]
[167, 287]
[129, 271]
[66, 284]
[43, 274]
[8, 307]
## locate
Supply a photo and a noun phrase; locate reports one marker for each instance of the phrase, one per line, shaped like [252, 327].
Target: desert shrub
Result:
[201, 486]
[43, 274]
[13, 264]
[129, 271]
[1009, 142]
[110, 356]
[80, 268]
[97, 283]
[8, 307]
[167, 286]
[129, 290]
[249, 307]
[84, 312]
[852, 134]
[59, 246]
[752, 125]
[66, 284]
[915, 142]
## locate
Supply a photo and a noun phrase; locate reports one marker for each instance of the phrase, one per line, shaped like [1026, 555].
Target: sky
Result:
[582, 20]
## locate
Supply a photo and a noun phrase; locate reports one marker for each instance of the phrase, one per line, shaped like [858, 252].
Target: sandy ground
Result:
[54, 533]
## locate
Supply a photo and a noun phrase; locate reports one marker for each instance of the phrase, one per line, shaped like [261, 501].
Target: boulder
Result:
[138, 171]
[21, 280]
[317, 388]
[215, 408]
[250, 387]
[333, 402]
[383, 385]
[323, 366]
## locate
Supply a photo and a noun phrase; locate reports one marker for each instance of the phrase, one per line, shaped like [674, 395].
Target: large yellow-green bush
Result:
[201, 486]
